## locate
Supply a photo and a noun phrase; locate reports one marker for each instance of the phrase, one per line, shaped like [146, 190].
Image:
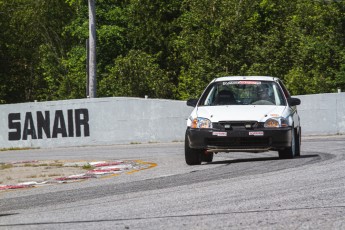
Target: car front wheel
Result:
[207, 157]
[298, 142]
[290, 152]
[192, 156]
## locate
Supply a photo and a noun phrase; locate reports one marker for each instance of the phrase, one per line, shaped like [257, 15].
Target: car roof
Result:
[253, 78]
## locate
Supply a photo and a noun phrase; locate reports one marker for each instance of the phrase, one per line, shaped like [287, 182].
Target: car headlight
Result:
[201, 123]
[276, 122]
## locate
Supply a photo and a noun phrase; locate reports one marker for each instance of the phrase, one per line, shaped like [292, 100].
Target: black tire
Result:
[207, 157]
[298, 142]
[290, 152]
[192, 156]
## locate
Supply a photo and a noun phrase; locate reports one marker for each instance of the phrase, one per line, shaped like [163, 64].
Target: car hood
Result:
[240, 112]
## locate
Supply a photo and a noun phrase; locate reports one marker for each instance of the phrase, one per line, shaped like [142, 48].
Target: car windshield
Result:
[244, 92]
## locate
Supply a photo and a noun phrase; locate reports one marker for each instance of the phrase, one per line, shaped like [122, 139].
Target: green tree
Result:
[215, 41]
[111, 24]
[136, 74]
[316, 32]
[31, 36]
[187, 43]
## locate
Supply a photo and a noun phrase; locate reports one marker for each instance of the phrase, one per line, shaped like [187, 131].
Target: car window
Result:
[286, 92]
[243, 93]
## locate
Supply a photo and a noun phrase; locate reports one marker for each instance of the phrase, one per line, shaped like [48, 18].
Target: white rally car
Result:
[243, 114]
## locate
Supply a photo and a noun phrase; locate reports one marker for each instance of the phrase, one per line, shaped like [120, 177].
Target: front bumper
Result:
[246, 140]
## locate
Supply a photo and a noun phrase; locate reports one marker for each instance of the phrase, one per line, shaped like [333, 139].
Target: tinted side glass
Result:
[286, 92]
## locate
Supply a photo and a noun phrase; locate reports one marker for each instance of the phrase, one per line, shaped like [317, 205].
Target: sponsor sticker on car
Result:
[220, 134]
[256, 133]
[242, 83]
[274, 115]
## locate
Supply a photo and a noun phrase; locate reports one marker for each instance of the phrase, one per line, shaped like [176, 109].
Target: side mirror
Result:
[294, 101]
[192, 102]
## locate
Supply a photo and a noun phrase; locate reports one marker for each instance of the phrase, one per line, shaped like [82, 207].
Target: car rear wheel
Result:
[290, 152]
[192, 156]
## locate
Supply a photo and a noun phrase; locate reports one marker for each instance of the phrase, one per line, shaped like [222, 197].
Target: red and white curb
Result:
[98, 169]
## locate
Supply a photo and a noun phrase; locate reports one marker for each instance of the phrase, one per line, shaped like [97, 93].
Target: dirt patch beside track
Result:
[37, 173]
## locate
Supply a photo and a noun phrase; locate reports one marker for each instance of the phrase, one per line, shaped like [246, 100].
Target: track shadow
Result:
[8, 214]
[256, 159]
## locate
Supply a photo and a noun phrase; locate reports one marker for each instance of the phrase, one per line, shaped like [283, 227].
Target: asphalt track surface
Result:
[236, 191]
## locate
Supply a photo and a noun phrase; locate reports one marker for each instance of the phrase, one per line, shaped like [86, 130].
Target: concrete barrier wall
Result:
[322, 114]
[104, 121]
[99, 121]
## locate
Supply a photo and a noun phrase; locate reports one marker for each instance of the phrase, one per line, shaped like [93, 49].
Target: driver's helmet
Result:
[264, 92]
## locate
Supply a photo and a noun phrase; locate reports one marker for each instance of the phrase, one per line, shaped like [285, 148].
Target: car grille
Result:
[238, 142]
[233, 125]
